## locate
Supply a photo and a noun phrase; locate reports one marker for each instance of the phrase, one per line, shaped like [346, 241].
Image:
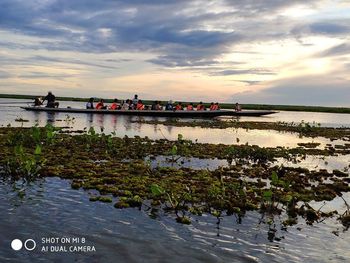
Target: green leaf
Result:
[274, 178]
[174, 150]
[267, 195]
[288, 198]
[37, 150]
[157, 190]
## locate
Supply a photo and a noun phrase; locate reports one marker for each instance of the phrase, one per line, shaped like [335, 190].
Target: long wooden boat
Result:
[163, 113]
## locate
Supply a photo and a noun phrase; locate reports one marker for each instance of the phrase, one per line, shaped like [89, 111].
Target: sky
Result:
[254, 51]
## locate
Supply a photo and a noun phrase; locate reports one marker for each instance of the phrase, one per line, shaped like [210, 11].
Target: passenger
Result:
[190, 106]
[115, 105]
[159, 106]
[156, 105]
[101, 105]
[179, 106]
[135, 100]
[126, 105]
[90, 104]
[238, 107]
[169, 105]
[51, 100]
[212, 106]
[38, 101]
[139, 105]
[200, 106]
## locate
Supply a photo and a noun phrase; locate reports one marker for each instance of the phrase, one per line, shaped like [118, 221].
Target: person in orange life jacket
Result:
[212, 105]
[179, 106]
[200, 106]
[115, 105]
[190, 106]
[100, 105]
[139, 105]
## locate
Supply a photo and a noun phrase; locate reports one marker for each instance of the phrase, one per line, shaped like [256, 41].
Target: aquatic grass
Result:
[251, 183]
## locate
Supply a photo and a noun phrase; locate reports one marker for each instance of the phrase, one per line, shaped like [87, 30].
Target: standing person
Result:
[90, 104]
[169, 105]
[135, 100]
[51, 100]
[238, 107]
[101, 105]
[115, 105]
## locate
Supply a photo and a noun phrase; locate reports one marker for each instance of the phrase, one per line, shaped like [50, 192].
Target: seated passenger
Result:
[190, 106]
[90, 104]
[100, 105]
[139, 105]
[212, 105]
[156, 106]
[38, 101]
[169, 105]
[179, 106]
[200, 106]
[126, 105]
[238, 107]
[115, 105]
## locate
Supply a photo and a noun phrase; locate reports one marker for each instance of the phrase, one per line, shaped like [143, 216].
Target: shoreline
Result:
[345, 110]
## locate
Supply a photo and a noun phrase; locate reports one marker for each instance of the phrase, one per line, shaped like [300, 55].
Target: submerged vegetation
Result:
[118, 168]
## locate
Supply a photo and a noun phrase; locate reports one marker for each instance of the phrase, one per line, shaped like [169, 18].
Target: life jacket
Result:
[140, 106]
[200, 107]
[189, 107]
[214, 107]
[99, 106]
[114, 106]
[178, 107]
[211, 107]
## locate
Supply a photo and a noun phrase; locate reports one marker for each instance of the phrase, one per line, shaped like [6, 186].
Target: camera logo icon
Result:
[29, 244]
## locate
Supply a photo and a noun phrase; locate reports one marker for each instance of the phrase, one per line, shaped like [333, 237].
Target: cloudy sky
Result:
[253, 51]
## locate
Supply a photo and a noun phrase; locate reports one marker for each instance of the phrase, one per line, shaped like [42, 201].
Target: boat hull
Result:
[179, 114]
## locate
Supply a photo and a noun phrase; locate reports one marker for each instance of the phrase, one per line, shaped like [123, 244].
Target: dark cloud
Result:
[171, 28]
[38, 75]
[229, 72]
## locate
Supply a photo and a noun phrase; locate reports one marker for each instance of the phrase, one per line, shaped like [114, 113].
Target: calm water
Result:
[52, 209]
[123, 125]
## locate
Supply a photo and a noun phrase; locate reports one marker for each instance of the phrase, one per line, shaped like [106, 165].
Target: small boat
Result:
[162, 113]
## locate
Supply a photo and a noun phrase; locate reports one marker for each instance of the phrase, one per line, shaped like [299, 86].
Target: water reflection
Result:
[131, 236]
[124, 125]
